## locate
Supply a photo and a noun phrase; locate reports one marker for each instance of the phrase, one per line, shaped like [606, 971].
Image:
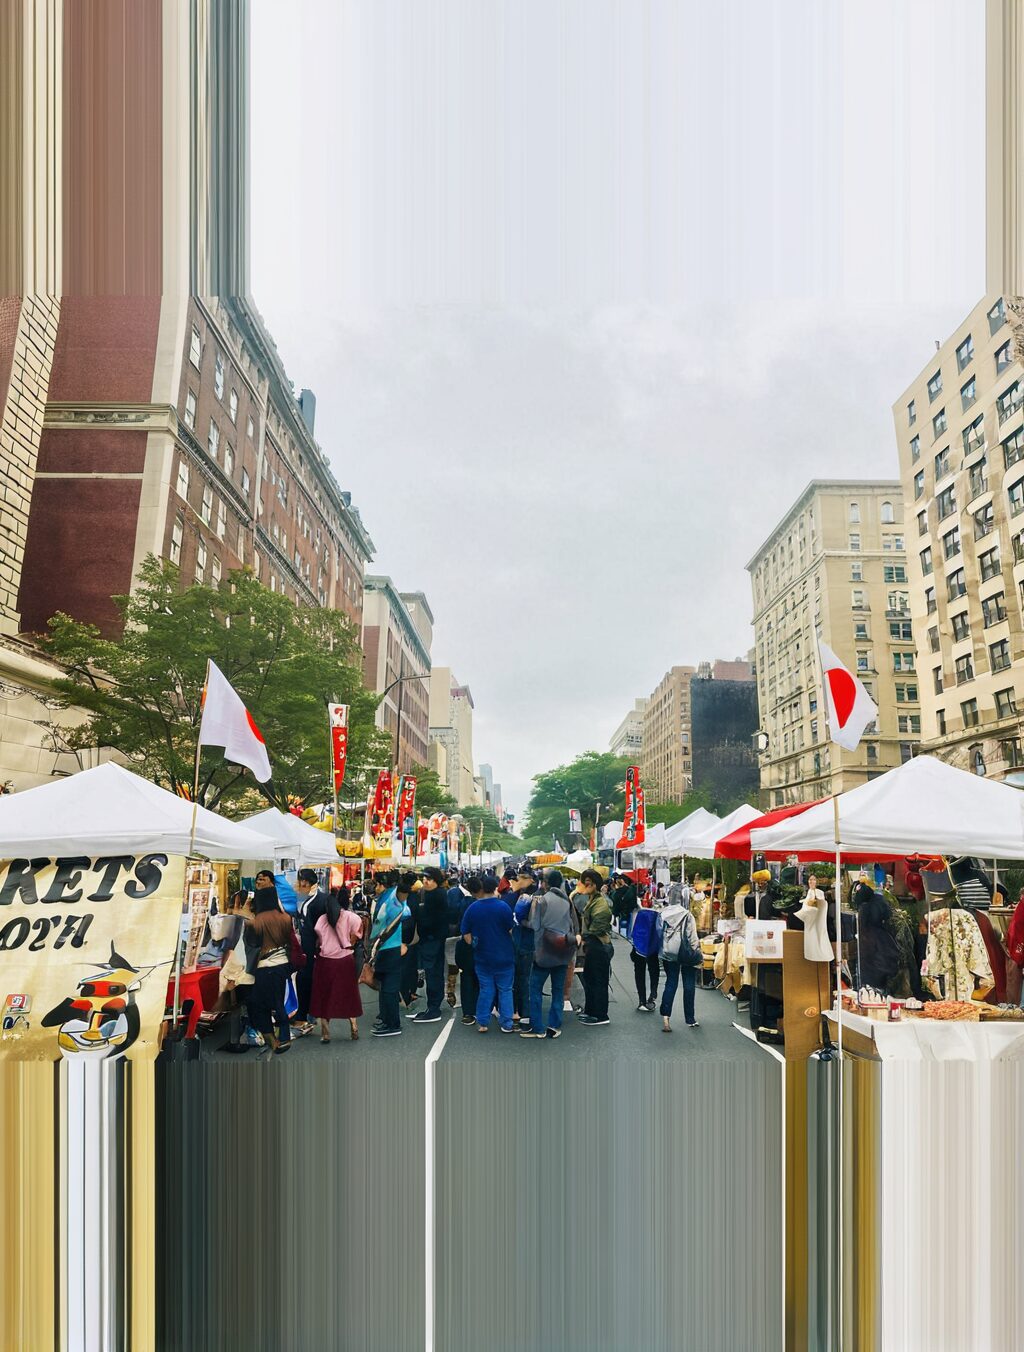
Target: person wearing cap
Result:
[524, 888]
[432, 928]
[487, 928]
[312, 905]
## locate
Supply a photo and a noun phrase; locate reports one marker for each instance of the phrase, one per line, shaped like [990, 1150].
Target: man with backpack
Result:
[554, 948]
[681, 957]
[596, 935]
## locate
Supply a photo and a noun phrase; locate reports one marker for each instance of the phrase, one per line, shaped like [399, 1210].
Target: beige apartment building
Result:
[836, 564]
[665, 763]
[451, 732]
[960, 431]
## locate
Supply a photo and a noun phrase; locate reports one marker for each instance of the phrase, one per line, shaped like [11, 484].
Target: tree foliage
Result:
[595, 777]
[431, 795]
[495, 836]
[143, 690]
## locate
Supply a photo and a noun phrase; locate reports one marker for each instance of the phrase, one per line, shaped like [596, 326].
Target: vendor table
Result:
[202, 987]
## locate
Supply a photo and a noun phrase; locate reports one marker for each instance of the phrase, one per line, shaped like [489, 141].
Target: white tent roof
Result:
[702, 846]
[108, 810]
[655, 842]
[293, 838]
[692, 827]
[924, 806]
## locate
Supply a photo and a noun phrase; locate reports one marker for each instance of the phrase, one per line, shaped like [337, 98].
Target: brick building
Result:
[397, 631]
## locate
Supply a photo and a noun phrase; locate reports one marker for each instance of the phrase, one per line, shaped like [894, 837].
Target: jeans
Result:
[642, 967]
[266, 1002]
[388, 968]
[495, 982]
[597, 966]
[432, 961]
[304, 988]
[673, 971]
[538, 977]
[469, 987]
[410, 973]
[521, 983]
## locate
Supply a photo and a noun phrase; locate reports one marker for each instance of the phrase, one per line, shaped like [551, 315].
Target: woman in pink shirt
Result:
[335, 988]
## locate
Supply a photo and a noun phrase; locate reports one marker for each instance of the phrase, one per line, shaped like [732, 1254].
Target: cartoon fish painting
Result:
[102, 1019]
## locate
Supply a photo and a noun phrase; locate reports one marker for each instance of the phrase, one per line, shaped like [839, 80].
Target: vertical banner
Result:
[380, 813]
[406, 804]
[338, 716]
[634, 823]
[575, 823]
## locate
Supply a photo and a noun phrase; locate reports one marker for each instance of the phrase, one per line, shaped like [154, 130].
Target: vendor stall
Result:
[305, 846]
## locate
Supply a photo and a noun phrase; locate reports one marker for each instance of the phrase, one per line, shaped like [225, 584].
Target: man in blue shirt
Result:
[487, 927]
[460, 898]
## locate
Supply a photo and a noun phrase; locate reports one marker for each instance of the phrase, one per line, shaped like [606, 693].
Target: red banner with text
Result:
[634, 824]
[338, 714]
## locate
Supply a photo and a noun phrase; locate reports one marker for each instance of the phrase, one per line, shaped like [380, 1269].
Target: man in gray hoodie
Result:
[554, 948]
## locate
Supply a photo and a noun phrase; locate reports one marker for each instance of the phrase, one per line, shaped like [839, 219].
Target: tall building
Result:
[627, 739]
[836, 564]
[397, 630]
[960, 431]
[486, 776]
[723, 723]
[665, 764]
[451, 726]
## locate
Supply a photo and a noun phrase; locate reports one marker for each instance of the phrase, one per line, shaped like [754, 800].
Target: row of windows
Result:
[887, 514]
[1005, 707]
[964, 357]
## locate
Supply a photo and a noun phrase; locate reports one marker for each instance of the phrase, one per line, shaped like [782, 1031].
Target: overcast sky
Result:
[587, 291]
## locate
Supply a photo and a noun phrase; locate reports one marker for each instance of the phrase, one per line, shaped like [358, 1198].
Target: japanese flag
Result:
[228, 723]
[850, 707]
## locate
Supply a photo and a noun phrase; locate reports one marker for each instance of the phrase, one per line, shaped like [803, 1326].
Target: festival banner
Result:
[338, 716]
[380, 818]
[406, 803]
[86, 951]
[634, 825]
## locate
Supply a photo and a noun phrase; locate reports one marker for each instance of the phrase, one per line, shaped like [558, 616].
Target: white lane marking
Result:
[429, 1165]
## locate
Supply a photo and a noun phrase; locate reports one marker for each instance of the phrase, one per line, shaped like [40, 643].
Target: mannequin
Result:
[813, 914]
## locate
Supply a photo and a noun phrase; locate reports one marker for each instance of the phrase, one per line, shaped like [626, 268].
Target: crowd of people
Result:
[513, 945]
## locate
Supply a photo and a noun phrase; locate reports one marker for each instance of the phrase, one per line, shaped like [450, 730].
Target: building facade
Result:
[665, 764]
[835, 565]
[960, 433]
[723, 723]
[451, 726]
[395, 649]
[628, 737]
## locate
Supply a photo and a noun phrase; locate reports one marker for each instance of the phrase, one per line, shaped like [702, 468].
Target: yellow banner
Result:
[86, 951]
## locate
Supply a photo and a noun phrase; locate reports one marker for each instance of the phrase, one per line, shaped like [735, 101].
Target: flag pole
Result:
[839, 1087]
[191, 852]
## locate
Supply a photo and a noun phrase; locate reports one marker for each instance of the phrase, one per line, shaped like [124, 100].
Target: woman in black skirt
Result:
[335, 986]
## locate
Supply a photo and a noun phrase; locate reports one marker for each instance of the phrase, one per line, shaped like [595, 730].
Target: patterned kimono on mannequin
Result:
[957, 952]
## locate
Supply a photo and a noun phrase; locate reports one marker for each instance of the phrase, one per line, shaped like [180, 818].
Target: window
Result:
[1013, 448]
[935, 387]
[887, 518]
[195, 351]
[233, 406]
[1003, 358]
[909, 723]
[860, 629]
[999, 653]
[855, 543]
[190, 409]
[976, 756]
[993, 608]
[177, 532]
[248, 428]
[1016, 498]
[893, 543]
[906, 752]
[968, 393]
[984, 521]
[933, 639]
[906, 694]
[926, 561]
[937, 674]
[245, 482]
[996, 316]
[1006, 703]
[961, 627]
[206, 511]
[856, 572]
[965, 353]
[863, 660]
[1011, 752]
[182, 480]
[872, 752]
[964, 669]
[951, 543]
[903, 662]
[946, 503]
[915, 448]
[218, 378]
[229, 460]
[929, 599]
[894, 572]
[989, 564]
[977, 482]
[939, 423]
[956, 585]
[201, 562]
[942, 463]
[940, 721]
[855, 513]
[969, 709]
[213, 441]
[901, 630]
[919, 484]
[922, 523]
[240, 547]
[215, 571]
[912, 410]
[222, 518]
[898, 603]
[974, 435]
[1008, 402]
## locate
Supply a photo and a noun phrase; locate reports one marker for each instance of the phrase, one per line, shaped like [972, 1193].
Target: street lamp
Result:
[400, 681]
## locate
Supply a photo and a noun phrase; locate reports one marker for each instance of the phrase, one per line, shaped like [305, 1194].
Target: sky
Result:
[588, 290]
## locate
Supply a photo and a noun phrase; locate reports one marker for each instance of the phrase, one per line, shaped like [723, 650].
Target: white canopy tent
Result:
[702, 844]
[921, 807]
[655, 843]
[692, 827]
[108, 810]
[292, 838]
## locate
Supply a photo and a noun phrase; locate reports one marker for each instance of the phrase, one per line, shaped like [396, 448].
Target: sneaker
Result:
[529, 1032]
[643, 1009]
[554, 1032]
[567, 1006]
[509, 1029]
[384, 1031]
[651, 1004]
[467, 1019]
[426, 1017]
[695, 1024]
[592, 1022]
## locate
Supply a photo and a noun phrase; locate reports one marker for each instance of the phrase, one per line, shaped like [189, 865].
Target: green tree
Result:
[495, 836]
[595, 777]
[143, 690]
[431, 795]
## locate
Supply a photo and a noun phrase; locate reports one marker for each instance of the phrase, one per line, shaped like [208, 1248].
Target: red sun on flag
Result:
[254, 729]
[843, 689]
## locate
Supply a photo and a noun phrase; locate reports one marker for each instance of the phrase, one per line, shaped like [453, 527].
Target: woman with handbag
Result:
[235, 980]
[269, 937]
[335, 989]
[681, 956]
[554, 948]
